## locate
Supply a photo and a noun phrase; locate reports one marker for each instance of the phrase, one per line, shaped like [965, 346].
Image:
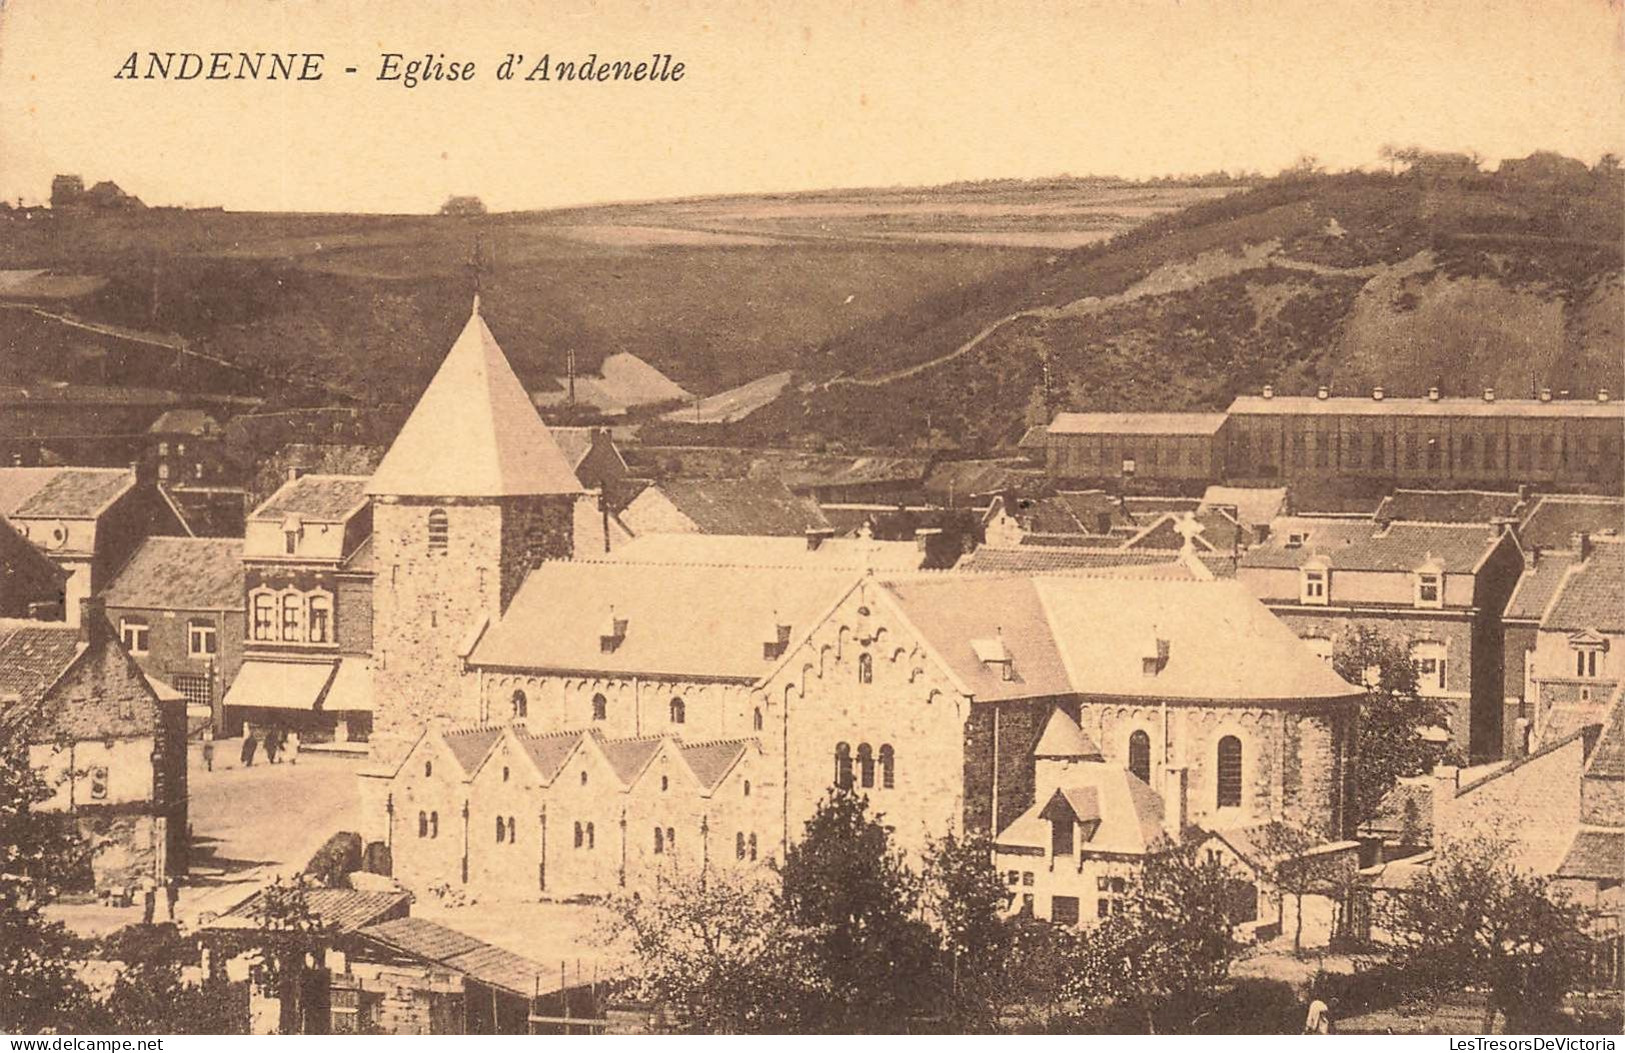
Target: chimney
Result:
[1602, 395]
[1580, 541]
[1545, 394]
[1504, 525]
[93, 627]
[1433, 394]
[1377, 393]
[294, 472]
[923, 537]
[1523, 493]
[816, 536]
[1489, 394]
[1323, 392]
[1269, 391]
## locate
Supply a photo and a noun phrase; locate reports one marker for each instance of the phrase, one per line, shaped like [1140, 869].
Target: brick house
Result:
[1575, 666]
[307, 600]
[1440, 588]
[179, 610]
[114, 752]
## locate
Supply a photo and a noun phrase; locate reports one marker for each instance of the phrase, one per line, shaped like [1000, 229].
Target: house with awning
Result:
[307, 581]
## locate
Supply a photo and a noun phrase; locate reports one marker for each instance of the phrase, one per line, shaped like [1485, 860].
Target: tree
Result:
[1392, 713]
[152, 995]
[716, 957]
[965, 898]
[1474, 917]
[289, 933]
[463, 205]
[846, 886]
[1174, 943]
[40, 852]
[1298, 873]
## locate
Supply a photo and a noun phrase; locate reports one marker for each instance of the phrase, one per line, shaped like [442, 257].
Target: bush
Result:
[340, 855]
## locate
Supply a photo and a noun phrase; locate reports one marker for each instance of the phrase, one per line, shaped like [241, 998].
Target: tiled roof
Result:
[550, 751]
[629, 756]
[1414, 795]
[1556, 518]
[479, 961]
[1537, 585]
[1136, 423]
[1130, 812]
[710, 761]
[117, 701]
[791, 553]
[320, 498]
[343, 909]
[1592, 596]
[1309, 405]
[60, 493]
[470, 745]
[1043, 559]
[1356, 545]
[474, 432]
[182, 573]
[1447, 506]
[733, 506]
[32, 657]
[1608, 756]
[1595, 854]
[680, 620]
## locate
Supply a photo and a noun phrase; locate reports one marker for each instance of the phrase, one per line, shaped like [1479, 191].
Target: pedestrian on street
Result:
[172, 895]
[272, 742]
[250, 744]
[149, 901]
[290, 746]
[208, 749]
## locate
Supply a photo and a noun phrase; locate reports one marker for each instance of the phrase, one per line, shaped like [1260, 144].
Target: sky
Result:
[785, 96]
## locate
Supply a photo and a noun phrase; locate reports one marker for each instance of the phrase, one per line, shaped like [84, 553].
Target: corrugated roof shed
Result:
[182, 573]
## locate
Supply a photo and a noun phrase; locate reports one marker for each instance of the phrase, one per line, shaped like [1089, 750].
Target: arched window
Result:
[671, 839]
[753, 847]
[591, 837]
[747, 787]
[264, 616]
[511, 837]
[866, 766]
[521, 705]
[439, 530]
[665, 784]
[1229, 772]
[423, 824]
[678, 711]
[581, 835]
[888, 765]
[843, 766]
[505, 773]
[600, 707]
[293, 617]
[660, 841]
[866, 668]
[502, 829]
[321, 618]
[428, 768]
[739, 845]
[434, 824]
[1139, 756]
[756, 719]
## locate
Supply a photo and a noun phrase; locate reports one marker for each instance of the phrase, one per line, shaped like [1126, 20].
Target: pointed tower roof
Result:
[474, 433]
[1063, 738]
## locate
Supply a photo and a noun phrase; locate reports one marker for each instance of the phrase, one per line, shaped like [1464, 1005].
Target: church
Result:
[565, 723]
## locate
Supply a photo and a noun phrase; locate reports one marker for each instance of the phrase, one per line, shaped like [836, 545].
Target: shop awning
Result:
[351, 691]
[280, 685]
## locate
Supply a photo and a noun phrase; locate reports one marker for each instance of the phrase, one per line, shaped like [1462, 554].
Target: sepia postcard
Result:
[923, 517]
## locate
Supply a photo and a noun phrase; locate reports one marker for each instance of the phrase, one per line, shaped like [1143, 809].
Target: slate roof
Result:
[1556, 518]
[1136, 423]
[1595, 854]
[1608, 756]
[1043, 559]
[469, 745]
[1389, 818]
[681, 620]
[474, 432]
[1592, 595]
[182, 573]
[736, 506]
[1310, 405]
[1130, 813]
[1359, 545]
[61, 493]
[479, 961]
[1255, 506]
[629, 756]
[962, 479]
[1063, 737]
[344, 909]
[730, 550]
[710, 761]
[1537, 585]
[1448, 506]
[319, 498]
[550, 751]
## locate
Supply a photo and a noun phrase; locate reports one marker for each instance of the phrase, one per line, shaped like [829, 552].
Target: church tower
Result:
[473, 493]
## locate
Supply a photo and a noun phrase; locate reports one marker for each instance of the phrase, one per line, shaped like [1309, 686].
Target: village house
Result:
[1575, 666]
[1440, 588]
[113, 751]
[307, 581]
[86, 520]
[187, 448]
[178, 605]
[30, 584]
